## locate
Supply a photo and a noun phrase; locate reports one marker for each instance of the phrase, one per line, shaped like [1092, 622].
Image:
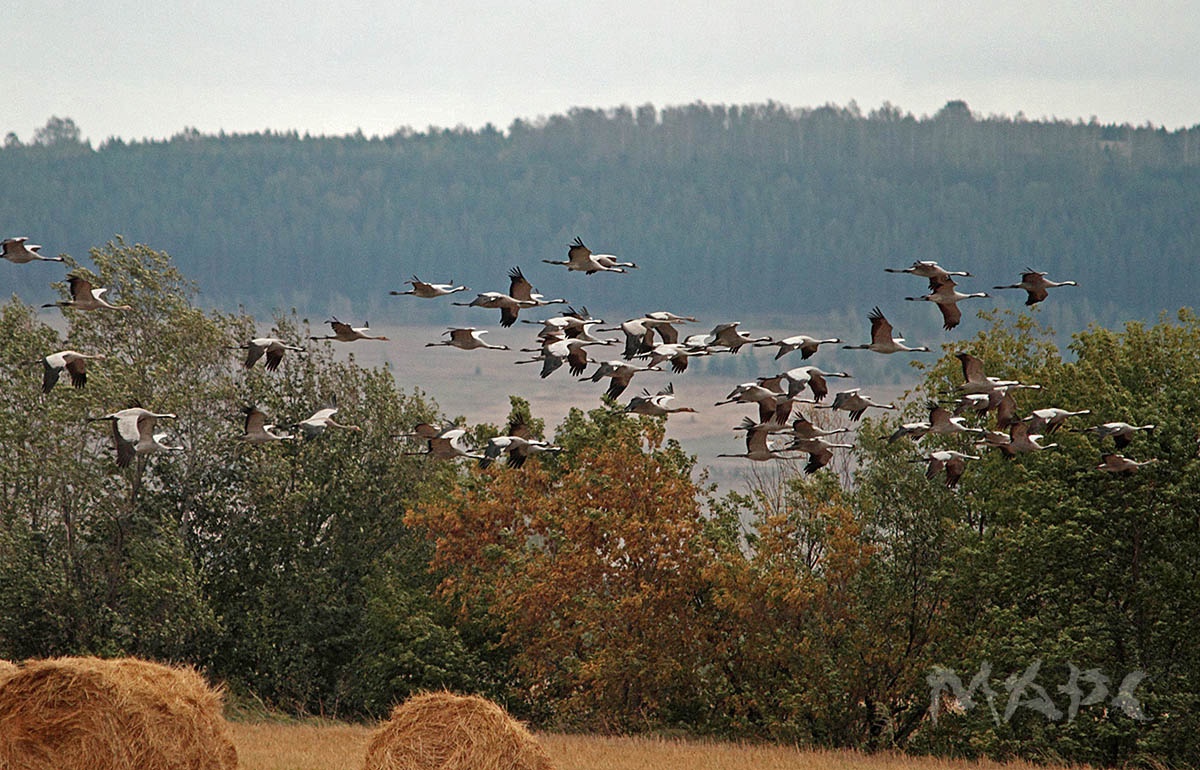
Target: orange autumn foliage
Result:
[595, 568]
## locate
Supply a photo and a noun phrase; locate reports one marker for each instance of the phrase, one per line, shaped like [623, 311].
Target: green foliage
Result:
[262, 562]
[1044, 558]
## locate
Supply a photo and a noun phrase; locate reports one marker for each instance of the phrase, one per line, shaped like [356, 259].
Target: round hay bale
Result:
[453, 732]
[93, 714]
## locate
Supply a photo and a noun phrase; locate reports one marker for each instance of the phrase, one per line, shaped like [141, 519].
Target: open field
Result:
[476, 384]
[313, 746]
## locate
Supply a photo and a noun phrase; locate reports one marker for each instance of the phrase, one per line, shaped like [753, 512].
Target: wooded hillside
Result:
[762, 209]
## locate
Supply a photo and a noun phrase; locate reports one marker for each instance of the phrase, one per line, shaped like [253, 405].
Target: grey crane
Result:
[1035, 285]
[426, 290]
[256, 429]
[805, 344]
[344, 332]
[271, 347]
[657, 405]
[466, 338]
[16, 250]
[72, 362]
[85, 296]
[580, 258]
[953, 463]
[883, 339]
[133, 433]
[942, 292]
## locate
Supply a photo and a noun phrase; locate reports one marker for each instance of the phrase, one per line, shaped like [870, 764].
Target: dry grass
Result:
[307, 746]
[342, 747]
[93, 714]
[444, 731]
[571, 752]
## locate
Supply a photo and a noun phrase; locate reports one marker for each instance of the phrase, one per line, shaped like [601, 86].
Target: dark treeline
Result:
[720, 201]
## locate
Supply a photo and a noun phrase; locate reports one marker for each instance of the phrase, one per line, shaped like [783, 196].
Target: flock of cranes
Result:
[649, 342]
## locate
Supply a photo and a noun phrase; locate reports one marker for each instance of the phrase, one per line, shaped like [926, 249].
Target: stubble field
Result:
[273, 746]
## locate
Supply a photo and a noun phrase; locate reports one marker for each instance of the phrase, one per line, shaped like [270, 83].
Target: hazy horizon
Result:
[133, 71]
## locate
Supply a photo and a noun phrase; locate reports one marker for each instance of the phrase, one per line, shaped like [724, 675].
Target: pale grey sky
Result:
[134, 69]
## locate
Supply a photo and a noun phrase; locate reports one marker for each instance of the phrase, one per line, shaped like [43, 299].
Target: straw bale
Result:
[453, 732]
[93, 714]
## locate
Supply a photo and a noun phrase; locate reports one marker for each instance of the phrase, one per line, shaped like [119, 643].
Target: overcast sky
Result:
[136, 68]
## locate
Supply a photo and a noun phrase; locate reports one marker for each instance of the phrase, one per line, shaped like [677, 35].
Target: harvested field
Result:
[323, 746]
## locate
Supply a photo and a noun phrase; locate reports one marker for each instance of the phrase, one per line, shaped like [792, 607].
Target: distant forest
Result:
[761, 211]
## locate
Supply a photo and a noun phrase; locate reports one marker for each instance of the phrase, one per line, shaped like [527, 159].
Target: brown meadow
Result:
[332, 746]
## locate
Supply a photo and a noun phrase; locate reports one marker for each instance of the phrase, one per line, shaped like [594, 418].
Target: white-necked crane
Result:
[1122, 432]
[133, 433]
[1035, 285]
[657, 405]
[466, 338]
[580, 258]
[882, 339]
[944, 294]
[1052, 418]
[757, 448]
[320, 421]
[954, 463]
[425, 431]
[943, 423]
[271, 347]
[15, 250]
[639, 337]
[853, 402]
[559, 350]
[927, 269]
[1117, 463]
[725, 335]
[974, 380]
[84, 296]
[803, 428]
[765, 398]
[677, 353]
[664, 316]
[639, 332]
[996, 439]
[811, 376]
[519, 288]
[72, 362]
[428, 290]
[1021, 441]
[621, 374]
[256, 429]
[572, 323]
[344, 332]
[802, 342]
[448, 443]
[913, 430]
[819, 451]
[508, 306]
[1000, 400]
[518, 444]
